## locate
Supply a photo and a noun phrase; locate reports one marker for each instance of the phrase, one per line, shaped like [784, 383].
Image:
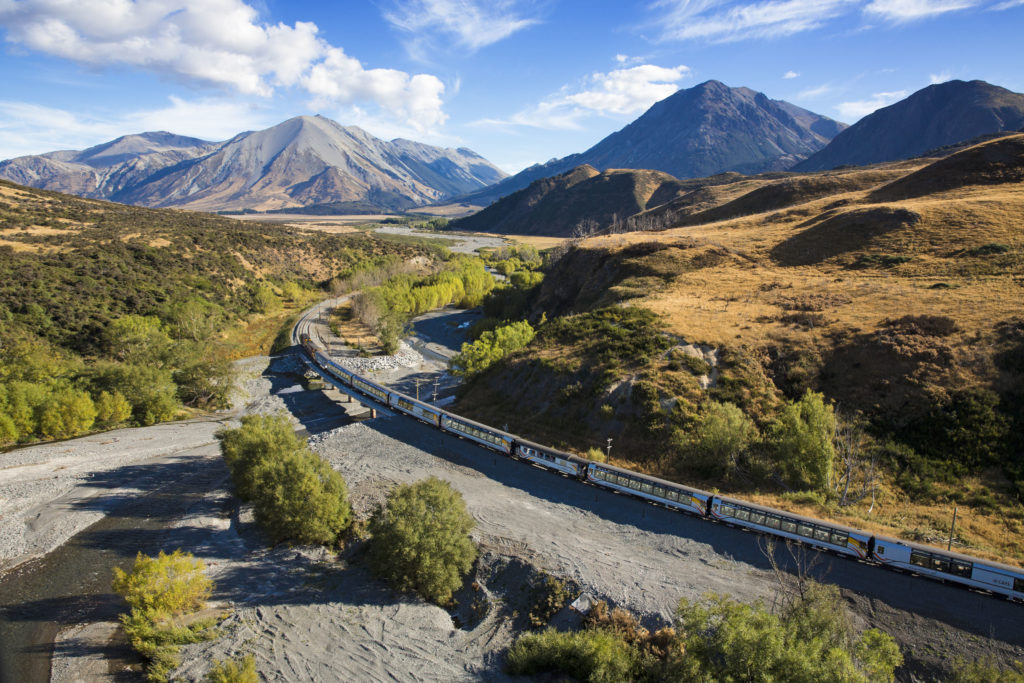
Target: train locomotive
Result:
[983, 575]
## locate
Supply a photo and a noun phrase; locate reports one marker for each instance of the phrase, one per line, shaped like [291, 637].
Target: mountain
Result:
[582, 197]
[707, 129]
[102, 171]
[300, 162]
[933, 117]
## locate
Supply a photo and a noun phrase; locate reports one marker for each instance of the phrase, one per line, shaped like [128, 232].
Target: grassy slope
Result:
[802, 294]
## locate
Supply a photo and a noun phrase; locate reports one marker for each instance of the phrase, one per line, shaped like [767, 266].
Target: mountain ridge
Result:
[301, 161]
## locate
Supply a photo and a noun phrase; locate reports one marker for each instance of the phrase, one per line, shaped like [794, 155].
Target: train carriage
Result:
[418, 409]
[946, 565]
[370, 389]
[667, 493]
[809, 530]
[550, 458]
[481, 433]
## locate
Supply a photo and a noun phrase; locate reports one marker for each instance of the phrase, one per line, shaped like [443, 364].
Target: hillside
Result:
[696, 132]
[580, 199]
[300, 162]
[939, 115]
[894, 290]
[112, 314]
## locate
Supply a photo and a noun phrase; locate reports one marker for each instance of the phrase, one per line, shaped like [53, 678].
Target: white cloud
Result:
[216, 42]
[941, 77]
[1006, 5]
[901, 11]
[33, 129]
[473, 24]
[811, 93]
[852, 111]
[790, 74]
[722, 21]
[616, 93]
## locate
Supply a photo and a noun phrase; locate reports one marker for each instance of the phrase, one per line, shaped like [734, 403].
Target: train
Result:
[914, 558]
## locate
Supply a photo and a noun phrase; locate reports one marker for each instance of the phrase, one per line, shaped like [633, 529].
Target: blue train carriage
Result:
[418, 409]
[550, 458]
[667, 493]
[370, 388]
[474, 431]
[815, 532]
[949, 566]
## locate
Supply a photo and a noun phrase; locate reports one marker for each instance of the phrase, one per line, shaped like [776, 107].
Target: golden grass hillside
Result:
[891, 289]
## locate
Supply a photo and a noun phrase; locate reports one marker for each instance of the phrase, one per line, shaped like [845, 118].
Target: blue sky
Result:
[518, 81]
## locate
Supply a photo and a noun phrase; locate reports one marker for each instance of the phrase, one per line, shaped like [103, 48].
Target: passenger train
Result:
[901, 555]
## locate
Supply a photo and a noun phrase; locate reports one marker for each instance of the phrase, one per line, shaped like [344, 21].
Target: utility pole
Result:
[436, 380]
[417, 382]
[608, 454]
[951, 528]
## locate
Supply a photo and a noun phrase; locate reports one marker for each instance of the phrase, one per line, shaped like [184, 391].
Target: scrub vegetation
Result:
[113, 314]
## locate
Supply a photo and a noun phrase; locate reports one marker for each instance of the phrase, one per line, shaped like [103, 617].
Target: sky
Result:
[517, 81]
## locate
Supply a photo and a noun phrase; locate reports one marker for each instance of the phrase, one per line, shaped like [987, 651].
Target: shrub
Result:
[420, 539]
[594, 656]
[723, 432]
[161, 591]
[549, 596]
[491, 347]
[67, 412]
[234, 671]
[802, 442]
[987, 670]
[296, 495]
[112, 408]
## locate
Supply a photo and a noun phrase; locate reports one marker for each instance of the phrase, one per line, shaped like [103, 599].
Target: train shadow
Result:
[982, 614]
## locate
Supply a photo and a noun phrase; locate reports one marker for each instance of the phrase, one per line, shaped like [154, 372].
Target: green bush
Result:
[67, 412]
[593, 656]
[420, 539]
[549, 596]
[802, 442]
[296, 495]
[721, 435]
[112, 408]
[161, 593]
[150, 390]
[987, 670]
[234, 671]
[491, 347]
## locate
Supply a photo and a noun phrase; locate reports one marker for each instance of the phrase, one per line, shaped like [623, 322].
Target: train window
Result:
[805, 530]
[772, 522]
[646, 488]
[742, 514]
[1018, 585]
[961, 568]
[659, 492]
[821, 534]
[672, 494]
[940, 564]
[919, 559]
[728, 510]
[839, 538]
[787, 525]
[757, 517]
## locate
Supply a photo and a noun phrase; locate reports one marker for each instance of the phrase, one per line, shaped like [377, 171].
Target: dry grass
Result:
[756, 300]
[538, 241]
[355, 333]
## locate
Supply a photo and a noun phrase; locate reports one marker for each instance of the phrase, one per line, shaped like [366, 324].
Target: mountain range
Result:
[300, 162]
[696, 132]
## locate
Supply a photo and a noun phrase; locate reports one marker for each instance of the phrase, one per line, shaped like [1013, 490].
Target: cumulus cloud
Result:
[473, 24]
[616, 93]
[901, 11]
[33, 129]
[723, 21]
[216, 42]
[790, 74]
[852, 111]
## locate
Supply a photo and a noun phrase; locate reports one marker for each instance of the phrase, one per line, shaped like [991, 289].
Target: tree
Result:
[67, 412]
[491, 347]
[802, 441]
[112, 408]
[420, 539]
[296, 495]
[150, 390]
[138, 339]
[723, 432]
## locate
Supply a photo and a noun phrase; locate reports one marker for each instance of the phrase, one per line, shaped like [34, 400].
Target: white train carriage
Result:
[651, 488]
[481, 433]
[949, 566]
[550, 458]
[418, 409]
[370, 389]
[809, 530]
